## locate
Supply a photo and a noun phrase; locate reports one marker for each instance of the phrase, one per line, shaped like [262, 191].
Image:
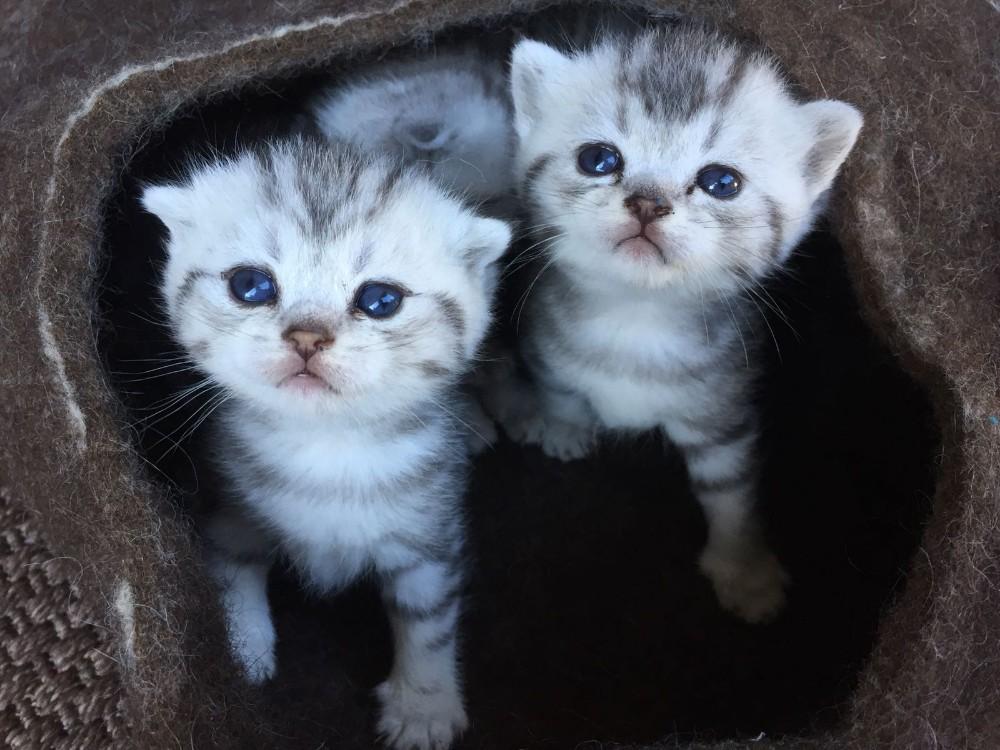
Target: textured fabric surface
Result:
[85, 85]
[59, 686]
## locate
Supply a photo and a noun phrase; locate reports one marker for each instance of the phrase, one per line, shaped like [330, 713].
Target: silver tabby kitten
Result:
[667, 172]
[336, 300]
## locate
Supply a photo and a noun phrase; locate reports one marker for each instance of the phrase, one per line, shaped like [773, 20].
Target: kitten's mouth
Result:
[305, 381]
[639, 246]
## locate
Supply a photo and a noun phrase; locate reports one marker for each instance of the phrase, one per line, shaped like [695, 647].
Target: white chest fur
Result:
[640, 363]
[333, 496]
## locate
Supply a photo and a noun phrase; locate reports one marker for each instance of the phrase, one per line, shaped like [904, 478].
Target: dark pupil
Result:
[378, 301]
[598, 160]
[252, 286]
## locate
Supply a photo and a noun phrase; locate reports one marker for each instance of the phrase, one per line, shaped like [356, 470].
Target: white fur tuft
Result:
[124, 605]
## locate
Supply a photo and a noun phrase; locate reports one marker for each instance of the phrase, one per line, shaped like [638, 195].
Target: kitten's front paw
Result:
[415, 719]
[751, 586]
[558, 439]
[566, 441]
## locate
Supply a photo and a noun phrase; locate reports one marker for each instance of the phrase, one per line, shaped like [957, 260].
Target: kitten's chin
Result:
[636, 261]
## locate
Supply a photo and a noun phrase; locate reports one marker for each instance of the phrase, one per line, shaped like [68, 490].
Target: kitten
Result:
[336, 300]
[671, 170]
[450, 112]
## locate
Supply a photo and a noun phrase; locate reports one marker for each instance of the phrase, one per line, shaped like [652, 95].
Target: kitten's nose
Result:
[647, 209]
[308, 341]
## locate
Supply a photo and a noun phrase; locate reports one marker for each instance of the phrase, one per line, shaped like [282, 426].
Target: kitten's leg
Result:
[747, 577]
[541, 413]
[238, 557]
[422, 698]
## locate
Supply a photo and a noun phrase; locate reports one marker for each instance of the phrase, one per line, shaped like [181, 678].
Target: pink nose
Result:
[647, 209]
[308, 341]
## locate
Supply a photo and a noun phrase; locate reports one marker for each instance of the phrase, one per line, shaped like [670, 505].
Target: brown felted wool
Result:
[85, 86]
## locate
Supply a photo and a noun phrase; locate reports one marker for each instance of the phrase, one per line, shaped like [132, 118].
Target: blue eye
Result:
[379, 300]
[719, 181]
[252, 286]
[599, 159]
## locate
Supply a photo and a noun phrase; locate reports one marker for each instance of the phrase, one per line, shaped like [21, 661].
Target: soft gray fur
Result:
[449, 111]
[642, 315]
[335, 430]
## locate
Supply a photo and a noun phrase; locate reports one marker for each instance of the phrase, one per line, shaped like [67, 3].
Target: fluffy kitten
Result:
[336, 300]
[671, 171]
[450, 112]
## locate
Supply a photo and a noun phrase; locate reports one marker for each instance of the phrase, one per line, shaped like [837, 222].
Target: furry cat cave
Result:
[588, 625]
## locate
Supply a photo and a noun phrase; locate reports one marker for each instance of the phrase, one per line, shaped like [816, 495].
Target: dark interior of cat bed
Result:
[586, 617]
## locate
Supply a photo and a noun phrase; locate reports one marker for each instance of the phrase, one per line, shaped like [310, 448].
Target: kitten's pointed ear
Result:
[485, 242]
[533, 67]
[171, 204]
[834, 126]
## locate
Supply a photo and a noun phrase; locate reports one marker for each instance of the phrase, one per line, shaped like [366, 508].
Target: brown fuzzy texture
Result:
[917, 218]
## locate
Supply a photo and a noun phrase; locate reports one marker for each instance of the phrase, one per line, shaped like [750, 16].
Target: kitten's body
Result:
[640, 318]
[334, 429]
[449, 112]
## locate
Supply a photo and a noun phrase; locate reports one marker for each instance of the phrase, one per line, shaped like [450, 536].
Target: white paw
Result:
[510, 414]
[566, 441]
[518, 410]
[412, 719]
[520, 426]
[254, 648]
[558, 439]
[751, 586]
